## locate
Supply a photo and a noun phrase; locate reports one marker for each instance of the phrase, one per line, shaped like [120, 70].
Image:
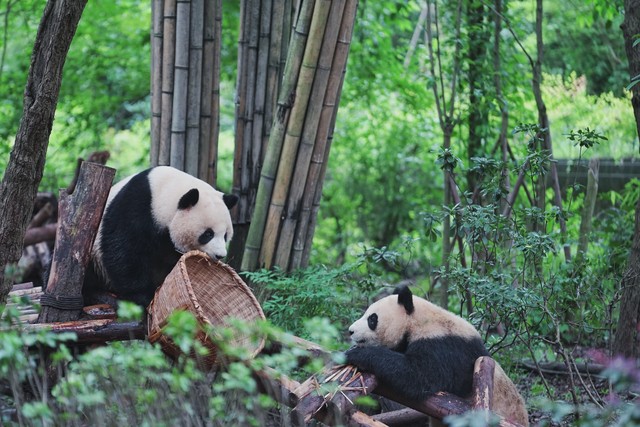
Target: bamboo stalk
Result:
[276, 55]
[250, 260]
[245, 6]
[156, 79]
[180, 85]
[212, 169]
[589, 206]
[206, 101]
[194, 87]
[260, 99]
[309, 134]
[248, 153]
[293, 134]
[318, 167]
[168, 57]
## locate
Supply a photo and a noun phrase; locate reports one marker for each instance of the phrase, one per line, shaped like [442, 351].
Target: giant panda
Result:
[416, 348]
[150, 220]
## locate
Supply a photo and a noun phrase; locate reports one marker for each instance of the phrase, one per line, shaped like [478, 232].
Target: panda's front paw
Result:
[358, 356]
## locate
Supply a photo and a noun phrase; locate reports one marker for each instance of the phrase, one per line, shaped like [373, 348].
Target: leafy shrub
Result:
[313, 292]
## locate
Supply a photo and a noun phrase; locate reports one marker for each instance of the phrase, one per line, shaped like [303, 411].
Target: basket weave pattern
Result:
[213, 292]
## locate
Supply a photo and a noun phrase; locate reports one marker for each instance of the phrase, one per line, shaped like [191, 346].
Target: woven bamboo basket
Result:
[214, 293]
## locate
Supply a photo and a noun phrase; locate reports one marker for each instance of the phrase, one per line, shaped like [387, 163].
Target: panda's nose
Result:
[219, 256]
[351, 331]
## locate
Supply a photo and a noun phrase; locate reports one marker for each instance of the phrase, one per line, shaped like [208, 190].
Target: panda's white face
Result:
[196, 215]
[384, 323]
[204, 225]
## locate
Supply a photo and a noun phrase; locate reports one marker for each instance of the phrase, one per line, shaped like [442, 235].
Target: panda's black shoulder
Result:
[461, 347]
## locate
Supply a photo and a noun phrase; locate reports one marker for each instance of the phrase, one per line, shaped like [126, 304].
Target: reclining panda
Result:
[150, 220]
[416, 348]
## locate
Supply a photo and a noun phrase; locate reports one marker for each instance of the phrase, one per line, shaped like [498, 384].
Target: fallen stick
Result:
[40, 234]
[42, 215]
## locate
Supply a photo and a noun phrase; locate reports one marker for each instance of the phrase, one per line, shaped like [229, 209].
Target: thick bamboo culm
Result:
[185, 85]
[309, 133]
[299, 143]
[318, 168]
[288, 156]
[263, 43]
[286, 95]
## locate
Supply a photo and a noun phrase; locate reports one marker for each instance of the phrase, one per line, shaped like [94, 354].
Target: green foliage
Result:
[305, 294]
[134, 383]
[585, 138]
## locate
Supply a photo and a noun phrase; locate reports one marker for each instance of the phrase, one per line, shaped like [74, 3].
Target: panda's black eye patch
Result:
[206, 236]
[372, 321]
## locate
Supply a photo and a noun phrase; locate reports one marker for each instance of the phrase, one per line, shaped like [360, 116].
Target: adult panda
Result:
[149, 220]
[416, 348]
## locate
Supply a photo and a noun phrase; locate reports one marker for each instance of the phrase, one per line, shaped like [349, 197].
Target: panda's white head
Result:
[203, 224]
[196, 215]
[402, 318]
[386, 321]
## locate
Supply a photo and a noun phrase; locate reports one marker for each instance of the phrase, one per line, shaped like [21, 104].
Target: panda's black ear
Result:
[189, 199]
[405, 298]
[230, 200]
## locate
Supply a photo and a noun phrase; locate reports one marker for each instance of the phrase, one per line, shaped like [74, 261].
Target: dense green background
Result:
[381, 213]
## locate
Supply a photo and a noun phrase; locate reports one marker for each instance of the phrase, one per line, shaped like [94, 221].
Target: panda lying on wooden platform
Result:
[416, 348]
[149, 221]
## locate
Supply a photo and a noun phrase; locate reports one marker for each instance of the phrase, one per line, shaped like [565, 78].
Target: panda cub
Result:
[416, 348]
[149, 220]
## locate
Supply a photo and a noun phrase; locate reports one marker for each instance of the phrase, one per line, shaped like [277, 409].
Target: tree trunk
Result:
[630, 28]
[626, 338]
[19, 186]
[478, 39]
[625, 341]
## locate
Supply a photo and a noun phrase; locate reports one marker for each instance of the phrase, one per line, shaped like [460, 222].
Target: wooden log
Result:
[40, 234]
[97, 331]
[438, 405]
[80, 215]
[42, 215]
[277, 385]
[313, 350]
[99, 157]
[360, 419]
[42, 199]
[332, 397]
[401, 417]
[21, 286]
[19, 290]
[482, 394]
